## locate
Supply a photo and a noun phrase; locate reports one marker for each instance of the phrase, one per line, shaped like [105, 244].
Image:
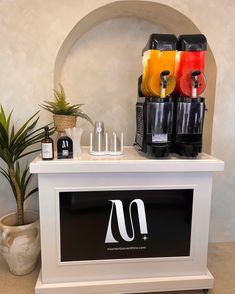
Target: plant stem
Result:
[19, 200]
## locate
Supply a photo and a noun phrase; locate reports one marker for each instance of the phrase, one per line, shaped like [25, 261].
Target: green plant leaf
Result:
[23, 181]
[61, 106]
[85, 116]
[24, 132]
[3, 119]
[4, 138]
[8, 121]
[28, 153]
[30, 193]
[17, 170]
[13, 146]
[12, 134]
[23, 127]
[6, 175]
[8, 157]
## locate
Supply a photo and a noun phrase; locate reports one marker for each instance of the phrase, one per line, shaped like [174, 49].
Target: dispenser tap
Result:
[163, 77]
[195, 84]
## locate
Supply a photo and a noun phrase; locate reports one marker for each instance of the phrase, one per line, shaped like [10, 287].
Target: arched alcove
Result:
[165, 19]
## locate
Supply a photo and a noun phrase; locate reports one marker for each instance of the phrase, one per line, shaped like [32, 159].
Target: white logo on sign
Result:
[117, 204]
[65, 144]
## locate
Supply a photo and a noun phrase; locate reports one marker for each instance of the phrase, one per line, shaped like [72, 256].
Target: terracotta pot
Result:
[20, 245]
[63, 122]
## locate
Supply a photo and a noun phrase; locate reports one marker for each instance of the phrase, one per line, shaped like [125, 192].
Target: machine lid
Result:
[163, 42]
[192, 43]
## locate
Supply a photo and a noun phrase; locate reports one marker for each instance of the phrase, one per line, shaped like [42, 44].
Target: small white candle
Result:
[90, 142]
[122, 142]
[106, 142]
[99, 143]
[115, 142]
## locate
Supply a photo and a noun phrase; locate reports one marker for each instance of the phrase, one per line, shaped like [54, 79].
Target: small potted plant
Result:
[19, 232]
[64, 114]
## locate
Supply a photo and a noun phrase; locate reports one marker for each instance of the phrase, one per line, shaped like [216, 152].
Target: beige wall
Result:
[102, 69]
[31, 33]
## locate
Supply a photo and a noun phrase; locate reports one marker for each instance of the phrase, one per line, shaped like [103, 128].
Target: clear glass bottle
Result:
[47, 146]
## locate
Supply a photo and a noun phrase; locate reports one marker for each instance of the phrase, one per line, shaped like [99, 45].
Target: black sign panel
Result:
[96, 225]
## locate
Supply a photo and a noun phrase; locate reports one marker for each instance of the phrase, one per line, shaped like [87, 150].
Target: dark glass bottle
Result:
[64, 147]
[47, 146]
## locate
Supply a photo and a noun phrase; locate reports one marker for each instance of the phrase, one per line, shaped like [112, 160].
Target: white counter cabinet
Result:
[125, 224]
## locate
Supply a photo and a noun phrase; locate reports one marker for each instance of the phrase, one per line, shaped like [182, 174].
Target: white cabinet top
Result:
[131, 161]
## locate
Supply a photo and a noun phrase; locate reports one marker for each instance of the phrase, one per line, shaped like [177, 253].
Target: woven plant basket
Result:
[63, 122]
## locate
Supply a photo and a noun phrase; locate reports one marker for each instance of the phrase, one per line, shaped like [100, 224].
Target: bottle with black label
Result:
[64, 147]
[47, 146]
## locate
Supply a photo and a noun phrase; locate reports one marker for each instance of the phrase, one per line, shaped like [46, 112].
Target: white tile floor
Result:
[221, 262]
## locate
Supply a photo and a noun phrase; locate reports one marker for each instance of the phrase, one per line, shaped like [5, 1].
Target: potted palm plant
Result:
[19, 232]
[64, 114]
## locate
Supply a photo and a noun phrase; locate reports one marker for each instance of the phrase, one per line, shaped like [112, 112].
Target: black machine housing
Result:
[164, 126]
[154, 125]
[188, 125]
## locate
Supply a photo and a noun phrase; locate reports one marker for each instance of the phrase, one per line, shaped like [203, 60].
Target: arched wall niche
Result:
[162, 16]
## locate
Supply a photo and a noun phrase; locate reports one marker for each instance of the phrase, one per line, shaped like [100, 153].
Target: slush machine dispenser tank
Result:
[190, 58]
[158, 56]
[154, 107]
[189, 105]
